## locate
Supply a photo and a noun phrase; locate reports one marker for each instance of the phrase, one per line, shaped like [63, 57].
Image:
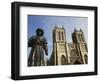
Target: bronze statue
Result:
[39, 46]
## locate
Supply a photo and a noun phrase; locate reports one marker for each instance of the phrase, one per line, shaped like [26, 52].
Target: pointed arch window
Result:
[59, 36]
[62, 33]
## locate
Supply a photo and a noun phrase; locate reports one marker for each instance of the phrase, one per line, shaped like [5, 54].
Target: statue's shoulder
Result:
[32, 37]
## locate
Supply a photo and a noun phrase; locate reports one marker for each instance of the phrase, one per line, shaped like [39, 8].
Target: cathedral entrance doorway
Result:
[77, 62]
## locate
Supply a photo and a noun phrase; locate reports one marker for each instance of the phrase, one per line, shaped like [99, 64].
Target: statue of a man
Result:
[39, 46]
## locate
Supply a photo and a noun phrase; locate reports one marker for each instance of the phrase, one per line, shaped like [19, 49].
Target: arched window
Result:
[63, 60]
[62, 35]
[86, 58]
[59, 36]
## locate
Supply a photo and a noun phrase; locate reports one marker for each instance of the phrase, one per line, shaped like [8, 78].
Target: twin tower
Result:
[68, 53]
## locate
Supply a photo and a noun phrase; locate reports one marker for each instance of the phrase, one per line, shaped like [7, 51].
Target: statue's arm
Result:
[46, 49]
[45, 46]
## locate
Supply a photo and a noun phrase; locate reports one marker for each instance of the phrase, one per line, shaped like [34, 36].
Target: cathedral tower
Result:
[59, 46]
[81, 46]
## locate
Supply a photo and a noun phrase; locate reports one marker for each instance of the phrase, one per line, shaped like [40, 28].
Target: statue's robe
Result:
[39, 46]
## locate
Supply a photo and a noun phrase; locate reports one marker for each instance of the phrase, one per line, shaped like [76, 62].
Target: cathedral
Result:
[65, 53]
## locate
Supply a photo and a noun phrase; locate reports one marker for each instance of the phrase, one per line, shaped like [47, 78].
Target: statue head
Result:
[39, 32]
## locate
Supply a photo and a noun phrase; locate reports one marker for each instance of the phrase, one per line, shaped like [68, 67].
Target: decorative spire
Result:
[55, 26]
[81, 30]
[62, 26]
[75, 30]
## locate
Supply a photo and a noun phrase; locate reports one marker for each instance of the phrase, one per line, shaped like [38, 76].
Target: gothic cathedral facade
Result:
[65, 53]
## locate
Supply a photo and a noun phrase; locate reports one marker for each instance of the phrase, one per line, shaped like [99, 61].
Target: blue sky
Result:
[47, 23]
